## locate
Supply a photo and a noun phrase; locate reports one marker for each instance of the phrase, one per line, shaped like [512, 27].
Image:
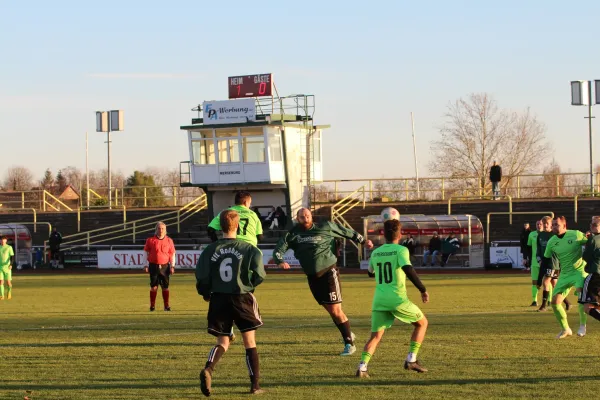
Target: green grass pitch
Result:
[92, 337]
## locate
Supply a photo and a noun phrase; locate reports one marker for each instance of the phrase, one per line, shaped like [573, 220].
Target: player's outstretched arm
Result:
[280, 248]
[411, 274]
[346, 233]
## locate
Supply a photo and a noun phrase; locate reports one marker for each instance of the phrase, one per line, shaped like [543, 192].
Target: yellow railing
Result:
[133, 228]
[483, 197]
[439, 188]
[24, 209]
[45, 202]
[487, 221]
[343, 206]
[576, 199]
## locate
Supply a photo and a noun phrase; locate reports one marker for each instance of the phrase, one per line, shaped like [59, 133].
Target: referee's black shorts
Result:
[159, 275]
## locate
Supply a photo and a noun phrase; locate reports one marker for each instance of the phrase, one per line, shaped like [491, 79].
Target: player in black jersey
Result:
[227, 274]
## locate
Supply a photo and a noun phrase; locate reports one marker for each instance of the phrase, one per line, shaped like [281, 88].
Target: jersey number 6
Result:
[225, 270]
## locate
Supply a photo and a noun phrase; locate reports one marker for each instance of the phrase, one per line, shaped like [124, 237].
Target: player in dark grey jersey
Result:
[227, 273]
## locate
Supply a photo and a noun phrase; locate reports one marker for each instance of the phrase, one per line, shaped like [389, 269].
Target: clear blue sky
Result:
[62, 60]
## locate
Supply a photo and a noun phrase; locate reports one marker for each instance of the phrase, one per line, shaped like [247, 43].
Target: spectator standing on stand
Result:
[495, 178]
[54, 241]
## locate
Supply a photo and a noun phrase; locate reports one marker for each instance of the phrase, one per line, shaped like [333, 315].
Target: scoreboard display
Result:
[250, 86]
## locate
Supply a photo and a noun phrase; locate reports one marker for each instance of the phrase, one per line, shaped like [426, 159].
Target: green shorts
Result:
[5, 274]
[535, 271]
[406, 312]
[568, 281]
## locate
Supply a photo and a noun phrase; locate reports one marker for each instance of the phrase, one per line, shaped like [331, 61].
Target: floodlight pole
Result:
[589, 117]
[109, 175]
[412, 121]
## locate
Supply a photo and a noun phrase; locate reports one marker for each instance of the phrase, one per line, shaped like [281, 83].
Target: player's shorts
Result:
[226, 309]
[159, 275]
[590, 294]
[5, 274]
[568, 281]
[407, 312]
[326, 288]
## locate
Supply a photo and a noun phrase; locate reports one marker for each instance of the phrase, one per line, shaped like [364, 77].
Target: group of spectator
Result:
[275, 219]
[437, 247]
[446, 248]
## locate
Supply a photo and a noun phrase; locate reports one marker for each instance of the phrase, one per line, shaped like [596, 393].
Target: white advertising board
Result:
[229, 111]
[184, 259]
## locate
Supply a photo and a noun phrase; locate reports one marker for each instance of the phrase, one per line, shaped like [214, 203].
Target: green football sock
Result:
[2, 290]
[413, 351]
[550, 294]
[366, 357]
[8, 290]
[582, 315]
[414, 347]
[561, 316]
[534, 292]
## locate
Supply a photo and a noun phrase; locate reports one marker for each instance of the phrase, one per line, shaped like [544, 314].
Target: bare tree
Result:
[18, 178]
[477, 132]
[74, 177]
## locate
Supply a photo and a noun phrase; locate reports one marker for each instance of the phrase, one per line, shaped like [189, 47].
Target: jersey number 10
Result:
[385, 272]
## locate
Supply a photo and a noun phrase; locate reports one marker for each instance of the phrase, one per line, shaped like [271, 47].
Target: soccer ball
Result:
[390, 213]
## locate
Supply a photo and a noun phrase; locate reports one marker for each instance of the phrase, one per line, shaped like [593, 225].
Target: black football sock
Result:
[545, 295]
[253, 366]
[344, 328]
[214, 356]
[594, 313]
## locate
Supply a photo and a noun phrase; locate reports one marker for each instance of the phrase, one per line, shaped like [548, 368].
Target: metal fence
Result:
[130, 197]
[442, 188]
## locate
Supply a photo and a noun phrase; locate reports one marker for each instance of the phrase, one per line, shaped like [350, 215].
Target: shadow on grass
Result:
[132, 384]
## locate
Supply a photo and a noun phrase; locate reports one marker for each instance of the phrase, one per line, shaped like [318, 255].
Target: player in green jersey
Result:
[535, 266]
[250, 228]
[390, 265]
[549, 268]
[566, 247]
[227, 274]
[7, 257]
[313, 246]
[590, 294]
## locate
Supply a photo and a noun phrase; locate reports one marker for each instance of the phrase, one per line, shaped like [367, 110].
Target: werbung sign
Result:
[184, 259]
[228, 111]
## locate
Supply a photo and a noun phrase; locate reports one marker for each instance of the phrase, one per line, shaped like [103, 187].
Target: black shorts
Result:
[547, 272]
[159, 275]
[591, 290]
[326, 288]
[226, 309]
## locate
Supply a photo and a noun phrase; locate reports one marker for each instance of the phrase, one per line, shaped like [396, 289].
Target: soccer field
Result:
[91, 336]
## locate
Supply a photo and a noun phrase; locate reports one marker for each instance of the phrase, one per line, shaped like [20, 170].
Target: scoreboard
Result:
[250, 86]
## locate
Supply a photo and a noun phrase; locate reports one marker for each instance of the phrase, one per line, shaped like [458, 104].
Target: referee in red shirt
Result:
[160, 262]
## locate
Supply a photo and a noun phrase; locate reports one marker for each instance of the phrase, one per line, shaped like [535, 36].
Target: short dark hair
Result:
[392, 229]
[241, 197]
[563, 219]
[229, 220]
[4, 237]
